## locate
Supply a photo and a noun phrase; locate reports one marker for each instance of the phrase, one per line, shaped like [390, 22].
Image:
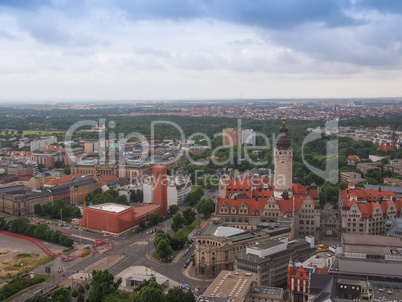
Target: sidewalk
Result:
[189, 272]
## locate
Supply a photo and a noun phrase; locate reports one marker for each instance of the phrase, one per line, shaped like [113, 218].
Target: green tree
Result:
[173, 209]
[164, 249]
[18, 225]
[61, 294]
[152, 292]
[160, 236]
[38, 209]
[3, 223]
[122, 199]
[188, 216]
[177, 242]
[142, 224]
[103, 285]
[81, 289]
[177, 222]
[206, 207]
[67, 170]
[154, 218]
[188, 297]
[140, 195]
[175, 295]
[80, 298]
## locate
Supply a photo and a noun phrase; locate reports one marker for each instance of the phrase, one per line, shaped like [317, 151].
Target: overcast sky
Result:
[199, 49]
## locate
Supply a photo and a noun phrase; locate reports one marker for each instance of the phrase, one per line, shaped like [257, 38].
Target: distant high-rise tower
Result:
[283, 154]
[230, 137]
[248, 137]
[159, 175]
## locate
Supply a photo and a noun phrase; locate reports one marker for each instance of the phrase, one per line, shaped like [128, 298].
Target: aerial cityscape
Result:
[209, 151]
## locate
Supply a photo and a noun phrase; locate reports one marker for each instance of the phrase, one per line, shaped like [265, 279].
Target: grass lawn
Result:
[187, 230]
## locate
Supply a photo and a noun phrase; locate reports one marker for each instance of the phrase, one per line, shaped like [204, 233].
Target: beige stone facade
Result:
[21, 202]
[115, 170]
[214, 254]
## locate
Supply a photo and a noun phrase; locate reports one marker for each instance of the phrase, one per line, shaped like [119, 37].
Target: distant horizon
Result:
[55, 101]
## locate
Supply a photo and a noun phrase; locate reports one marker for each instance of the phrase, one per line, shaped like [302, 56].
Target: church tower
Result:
[283, 154]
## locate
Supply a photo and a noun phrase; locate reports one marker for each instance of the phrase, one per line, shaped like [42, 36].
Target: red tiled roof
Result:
[63, 180]
[370, 198]
[259, 198]
[385, 148]
[108, 178]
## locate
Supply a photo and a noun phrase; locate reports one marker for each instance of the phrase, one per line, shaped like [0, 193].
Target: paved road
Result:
[130, 254]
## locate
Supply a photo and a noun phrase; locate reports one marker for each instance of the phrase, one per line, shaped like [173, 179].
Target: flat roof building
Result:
[231, 286]
[114, 218]
[369, 255]
[269, 259]
[236, 286]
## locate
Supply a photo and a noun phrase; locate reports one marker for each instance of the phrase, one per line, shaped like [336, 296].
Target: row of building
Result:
[250, 201]
[361, 268]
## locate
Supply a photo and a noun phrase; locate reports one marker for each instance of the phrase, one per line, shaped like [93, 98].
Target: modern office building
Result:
[269, 259]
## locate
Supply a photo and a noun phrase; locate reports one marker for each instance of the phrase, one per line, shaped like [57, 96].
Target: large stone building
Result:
[369, 256]
[253, 199]
[230, 137]
[248, 137]
[215, 252]
[19, 200]
[239, 287]
[365, 211]
[114, 218]
[40, 143]
[122, 171]
[269, 259]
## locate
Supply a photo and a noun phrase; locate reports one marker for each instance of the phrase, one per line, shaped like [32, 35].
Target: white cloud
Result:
[98, 52]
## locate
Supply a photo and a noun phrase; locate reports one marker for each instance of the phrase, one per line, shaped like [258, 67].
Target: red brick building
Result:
[114, 218]
[298, 283]
[159, 175]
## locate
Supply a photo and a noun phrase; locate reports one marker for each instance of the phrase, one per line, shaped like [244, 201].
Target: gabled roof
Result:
[261, 196]
[367, 200]
[385, 148]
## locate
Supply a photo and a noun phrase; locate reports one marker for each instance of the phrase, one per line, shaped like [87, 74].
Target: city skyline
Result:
[121, 50]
